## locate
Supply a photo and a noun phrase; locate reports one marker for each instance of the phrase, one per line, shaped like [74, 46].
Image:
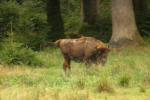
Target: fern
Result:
[144, 27]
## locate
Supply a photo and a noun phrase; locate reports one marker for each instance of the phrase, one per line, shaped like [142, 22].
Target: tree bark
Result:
[124, 29]
[54, 19]
[89, 10]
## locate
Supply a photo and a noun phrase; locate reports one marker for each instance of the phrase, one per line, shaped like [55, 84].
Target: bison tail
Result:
[57, 42]
[46, 44]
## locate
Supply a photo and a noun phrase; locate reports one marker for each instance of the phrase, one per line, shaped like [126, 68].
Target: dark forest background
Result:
[27, 19]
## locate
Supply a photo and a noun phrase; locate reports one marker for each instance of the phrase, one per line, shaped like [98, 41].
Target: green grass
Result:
[126, 76]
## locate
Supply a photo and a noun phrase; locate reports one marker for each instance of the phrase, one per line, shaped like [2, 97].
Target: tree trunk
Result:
[89, 10]
[124, 28]
[55, 20]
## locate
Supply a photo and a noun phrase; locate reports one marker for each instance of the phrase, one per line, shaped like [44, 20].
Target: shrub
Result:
[16, 53]
[124, 80]
[35, 41]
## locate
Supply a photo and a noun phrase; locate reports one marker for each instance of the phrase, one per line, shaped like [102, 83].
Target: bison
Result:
[83, 49]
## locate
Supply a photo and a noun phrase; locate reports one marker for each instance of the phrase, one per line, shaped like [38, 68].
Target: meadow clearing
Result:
[125, 76]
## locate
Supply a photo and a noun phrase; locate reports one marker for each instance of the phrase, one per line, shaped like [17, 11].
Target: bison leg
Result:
[66, 64]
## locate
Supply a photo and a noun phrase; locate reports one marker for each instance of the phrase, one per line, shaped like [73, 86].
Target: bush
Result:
[124, 80]
[16, 53]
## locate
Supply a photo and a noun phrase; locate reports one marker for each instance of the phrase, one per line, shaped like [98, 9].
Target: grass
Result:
[124, 80]
[105, 86]
[124, 77]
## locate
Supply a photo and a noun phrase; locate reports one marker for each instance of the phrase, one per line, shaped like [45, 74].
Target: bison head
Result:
[101, 55]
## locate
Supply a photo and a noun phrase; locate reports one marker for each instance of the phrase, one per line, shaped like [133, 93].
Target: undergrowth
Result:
[16, 53]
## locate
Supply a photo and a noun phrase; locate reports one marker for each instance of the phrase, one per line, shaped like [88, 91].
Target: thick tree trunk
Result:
[54, 19]
[124, 28]
[89, 10]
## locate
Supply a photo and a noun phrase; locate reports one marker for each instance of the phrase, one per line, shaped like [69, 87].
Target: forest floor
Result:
[125, 76]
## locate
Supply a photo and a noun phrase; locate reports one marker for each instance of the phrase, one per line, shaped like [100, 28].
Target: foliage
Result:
[102, 28]
[124, 80]
[71, 12]
[16, 53]
[33, 28]
[29, 22]
[71, 17]
[9, 12]
[144, 25]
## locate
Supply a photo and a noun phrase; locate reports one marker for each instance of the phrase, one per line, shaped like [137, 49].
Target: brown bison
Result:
[85, 49]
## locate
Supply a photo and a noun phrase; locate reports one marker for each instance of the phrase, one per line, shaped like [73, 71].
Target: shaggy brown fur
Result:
[85, 49]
